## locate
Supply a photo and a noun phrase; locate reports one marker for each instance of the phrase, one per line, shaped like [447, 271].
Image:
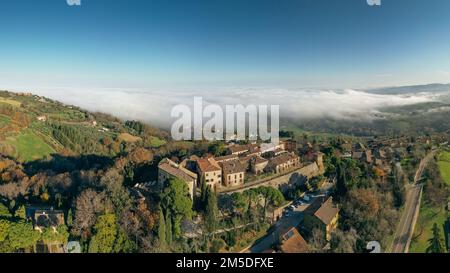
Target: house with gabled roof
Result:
[258, 164]
[284, 162]
[44, 217]
[291, 241]
[209, 172]
[238, 149]
[322, 214]
[168, 169]
[233, 173]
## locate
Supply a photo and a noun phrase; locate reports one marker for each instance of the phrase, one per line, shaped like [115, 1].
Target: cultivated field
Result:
[10, 102]
[29, 146]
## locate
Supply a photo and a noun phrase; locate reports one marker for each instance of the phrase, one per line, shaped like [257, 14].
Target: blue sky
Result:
[219, 43]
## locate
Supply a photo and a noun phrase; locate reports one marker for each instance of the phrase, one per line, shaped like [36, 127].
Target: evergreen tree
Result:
[21, 235]
[176, 199]
[435, 243]
[168, 228]
[204, 190]
[211, 213]
[69, 218]
[162, 229]
[105, 234]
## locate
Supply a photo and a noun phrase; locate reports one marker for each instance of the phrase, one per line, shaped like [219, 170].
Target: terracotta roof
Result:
[246, 159]
[238, 148]
[234, 166]
[208, 165]
[283, 158]
[176, 170]
[226, 158]
[259, 160]
[324, 209]
[293, 242]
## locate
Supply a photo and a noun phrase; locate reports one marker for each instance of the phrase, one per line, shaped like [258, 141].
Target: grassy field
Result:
[444, 166]
[319, 136]
[156, 142]
[129, 138]
[427, 217]
[10, 102]
[29, 146]
[430, 215]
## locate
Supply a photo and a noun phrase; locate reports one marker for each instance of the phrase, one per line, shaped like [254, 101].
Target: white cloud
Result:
[155, 106]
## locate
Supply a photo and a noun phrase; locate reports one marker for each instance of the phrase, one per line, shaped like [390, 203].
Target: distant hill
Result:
[428, 88]
[414, 119]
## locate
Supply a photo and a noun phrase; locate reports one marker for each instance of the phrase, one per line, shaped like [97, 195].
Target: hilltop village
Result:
[242, 167]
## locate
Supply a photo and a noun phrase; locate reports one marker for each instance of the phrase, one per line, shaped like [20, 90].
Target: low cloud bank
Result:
[155, 106]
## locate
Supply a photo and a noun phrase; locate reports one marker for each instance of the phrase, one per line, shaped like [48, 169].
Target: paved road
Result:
[405, 229]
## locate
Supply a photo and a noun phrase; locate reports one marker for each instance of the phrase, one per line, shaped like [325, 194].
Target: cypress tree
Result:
[435, 243]
[162, 229]
[69, 218]
[168, 227]
[203, 197]
[211, 211]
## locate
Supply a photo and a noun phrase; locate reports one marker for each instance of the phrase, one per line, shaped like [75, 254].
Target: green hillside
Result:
[34, 128]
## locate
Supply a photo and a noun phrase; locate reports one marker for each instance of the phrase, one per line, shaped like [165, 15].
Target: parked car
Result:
[287, 213]
[318, 195]
[286, 210]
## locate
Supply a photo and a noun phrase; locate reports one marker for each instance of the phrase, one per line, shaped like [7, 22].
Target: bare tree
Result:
[344, 242]
[89, 205]
[317, 241]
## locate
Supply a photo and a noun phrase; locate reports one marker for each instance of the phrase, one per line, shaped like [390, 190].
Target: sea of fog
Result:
[155, 106]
